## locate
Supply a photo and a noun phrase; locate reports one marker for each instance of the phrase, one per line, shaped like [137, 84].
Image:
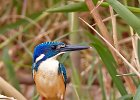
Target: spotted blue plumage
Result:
[62, 70]
[46, 48]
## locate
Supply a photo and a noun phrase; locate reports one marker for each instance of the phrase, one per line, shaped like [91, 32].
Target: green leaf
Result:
[10, 69]
[137, 96]
[126, 97]
[126, 14]
[81, 7]
[73, 7]
[109, 62]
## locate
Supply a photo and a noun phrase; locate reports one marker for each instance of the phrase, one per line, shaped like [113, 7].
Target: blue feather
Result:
[44, 48]
[62, 70]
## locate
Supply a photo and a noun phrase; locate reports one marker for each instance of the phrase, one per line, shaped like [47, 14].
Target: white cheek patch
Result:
[39, 58]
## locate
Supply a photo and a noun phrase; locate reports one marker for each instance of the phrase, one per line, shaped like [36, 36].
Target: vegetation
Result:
[107, 71]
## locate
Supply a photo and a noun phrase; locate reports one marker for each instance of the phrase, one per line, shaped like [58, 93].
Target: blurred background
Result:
[95, 74]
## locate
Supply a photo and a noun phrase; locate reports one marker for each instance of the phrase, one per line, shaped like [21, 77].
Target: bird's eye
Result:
[53, 47]
[62, 46]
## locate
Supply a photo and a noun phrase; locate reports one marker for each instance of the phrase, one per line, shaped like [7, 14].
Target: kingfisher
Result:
[48, 73]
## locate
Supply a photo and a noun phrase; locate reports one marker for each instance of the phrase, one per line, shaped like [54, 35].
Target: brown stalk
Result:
[129, 83]
[100, 24]
[128, 80]
[135, 48]
[10, 91]
[106, 19]
[98, 20]
[115, 39]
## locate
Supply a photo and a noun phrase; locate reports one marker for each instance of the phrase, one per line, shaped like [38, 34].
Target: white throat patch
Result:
[49, 66]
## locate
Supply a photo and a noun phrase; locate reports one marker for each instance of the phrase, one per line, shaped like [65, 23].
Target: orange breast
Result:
[49, 85]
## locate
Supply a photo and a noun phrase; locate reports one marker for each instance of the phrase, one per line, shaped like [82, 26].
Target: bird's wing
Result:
[62, 70]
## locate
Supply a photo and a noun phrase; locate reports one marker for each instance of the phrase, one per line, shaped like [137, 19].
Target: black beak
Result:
[73, 48]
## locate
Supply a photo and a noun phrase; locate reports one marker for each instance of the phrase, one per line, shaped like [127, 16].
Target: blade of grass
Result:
[91, 77]
[113, 93]
[74, 7]
[10, 69]
[126, 97]
[69, 8]
[137, 96]
[75, 56]
[76, 78]
[126, 14]
[81, 7]
[109, 62]
[100, 77]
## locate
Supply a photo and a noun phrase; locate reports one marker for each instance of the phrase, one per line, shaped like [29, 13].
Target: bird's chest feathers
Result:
[48, 82]
[48, 71]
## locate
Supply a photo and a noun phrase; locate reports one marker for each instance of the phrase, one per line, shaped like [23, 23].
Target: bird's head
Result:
[47, 50]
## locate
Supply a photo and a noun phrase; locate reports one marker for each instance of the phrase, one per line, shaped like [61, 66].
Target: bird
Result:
[49, 74]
